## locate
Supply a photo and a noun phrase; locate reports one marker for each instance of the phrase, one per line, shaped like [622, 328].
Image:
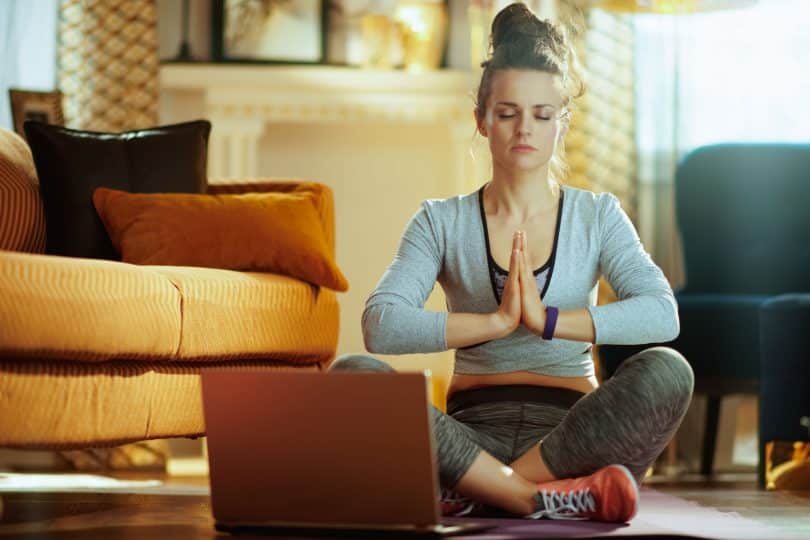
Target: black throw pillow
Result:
[71, 164]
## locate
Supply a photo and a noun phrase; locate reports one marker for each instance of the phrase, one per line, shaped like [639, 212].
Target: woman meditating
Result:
[528, 429]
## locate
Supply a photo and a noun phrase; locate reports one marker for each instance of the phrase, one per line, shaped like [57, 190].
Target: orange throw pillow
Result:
[266, 232]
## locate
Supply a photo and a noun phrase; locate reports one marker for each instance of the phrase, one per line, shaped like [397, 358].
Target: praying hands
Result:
[521, 302]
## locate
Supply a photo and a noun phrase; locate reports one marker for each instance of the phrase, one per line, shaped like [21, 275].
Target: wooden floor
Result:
[789, 511]
[160, 515]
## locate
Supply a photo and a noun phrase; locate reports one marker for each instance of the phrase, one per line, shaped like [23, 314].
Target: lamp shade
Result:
[669, 6]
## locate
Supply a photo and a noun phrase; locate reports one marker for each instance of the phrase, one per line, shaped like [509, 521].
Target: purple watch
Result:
[551, 322]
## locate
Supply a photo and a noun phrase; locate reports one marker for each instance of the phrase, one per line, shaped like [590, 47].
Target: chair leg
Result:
[710, 434]
[761, 464]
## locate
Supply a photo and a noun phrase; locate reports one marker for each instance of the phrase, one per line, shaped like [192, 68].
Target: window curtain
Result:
[27, 49]
[101, 55]
[108, 64]
[727, 76]
[658, 140]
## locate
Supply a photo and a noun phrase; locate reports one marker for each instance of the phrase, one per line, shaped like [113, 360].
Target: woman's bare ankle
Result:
[493, 483]
[527, 498]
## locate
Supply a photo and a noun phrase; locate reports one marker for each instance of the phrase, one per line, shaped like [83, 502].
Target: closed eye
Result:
[507, 116]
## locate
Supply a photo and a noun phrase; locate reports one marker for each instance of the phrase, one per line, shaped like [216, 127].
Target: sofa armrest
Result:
[324, 199]
[22, 217]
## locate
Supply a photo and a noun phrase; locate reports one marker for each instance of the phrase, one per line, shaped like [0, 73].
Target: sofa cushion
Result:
[89, 310]
[80, 309]
[322, 196]
[230, 315]
[71, 164]
[271, 232]
[103, 404]
[22, 220]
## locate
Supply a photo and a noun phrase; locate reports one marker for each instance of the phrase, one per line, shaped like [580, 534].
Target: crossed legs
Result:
[628, 420]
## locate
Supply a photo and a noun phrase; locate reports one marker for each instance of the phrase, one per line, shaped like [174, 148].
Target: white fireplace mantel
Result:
[241, 100]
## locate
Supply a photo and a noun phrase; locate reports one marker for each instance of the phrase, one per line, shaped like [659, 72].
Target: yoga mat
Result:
[659, 515]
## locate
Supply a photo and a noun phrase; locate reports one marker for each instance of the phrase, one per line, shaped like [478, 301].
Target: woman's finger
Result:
[526, 270]
[514, 265]
[514, 260]
[524, 260]
[519, 265]
[525, 273]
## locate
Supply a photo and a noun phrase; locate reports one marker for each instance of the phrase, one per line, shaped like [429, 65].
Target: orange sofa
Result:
[100, 353]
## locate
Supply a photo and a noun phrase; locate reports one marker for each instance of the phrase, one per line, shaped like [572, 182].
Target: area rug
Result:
[659, 516]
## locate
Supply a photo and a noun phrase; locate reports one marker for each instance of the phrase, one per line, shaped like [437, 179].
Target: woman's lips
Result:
[523, 148]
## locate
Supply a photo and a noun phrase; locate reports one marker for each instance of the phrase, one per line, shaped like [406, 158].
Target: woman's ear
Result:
[480, 124]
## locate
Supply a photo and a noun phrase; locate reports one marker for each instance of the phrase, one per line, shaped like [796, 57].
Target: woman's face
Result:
[524, 119]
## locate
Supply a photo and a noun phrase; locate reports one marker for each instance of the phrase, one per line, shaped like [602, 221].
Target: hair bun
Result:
[516, 23]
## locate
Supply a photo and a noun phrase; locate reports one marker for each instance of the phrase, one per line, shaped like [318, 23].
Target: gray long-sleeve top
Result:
[445, 240]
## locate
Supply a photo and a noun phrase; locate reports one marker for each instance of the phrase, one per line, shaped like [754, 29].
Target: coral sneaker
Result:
[453, 504]
[609, 494]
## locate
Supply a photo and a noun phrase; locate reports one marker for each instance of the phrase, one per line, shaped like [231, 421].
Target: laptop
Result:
[322, 453]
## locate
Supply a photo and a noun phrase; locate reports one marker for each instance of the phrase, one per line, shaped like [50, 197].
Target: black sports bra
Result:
[498, 275]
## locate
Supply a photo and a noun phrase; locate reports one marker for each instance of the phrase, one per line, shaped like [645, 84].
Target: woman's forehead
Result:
[526, 87]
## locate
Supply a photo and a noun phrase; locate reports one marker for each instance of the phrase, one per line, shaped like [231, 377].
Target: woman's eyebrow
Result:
[510, 104]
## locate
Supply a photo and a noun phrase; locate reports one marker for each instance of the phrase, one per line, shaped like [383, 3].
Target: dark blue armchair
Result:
[744, 215]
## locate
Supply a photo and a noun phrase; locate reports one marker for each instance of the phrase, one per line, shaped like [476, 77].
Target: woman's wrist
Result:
[549, 323]
[500, 324]
[468, 329]
[538, 324]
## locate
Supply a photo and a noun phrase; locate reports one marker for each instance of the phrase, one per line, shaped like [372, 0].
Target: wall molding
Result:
[242, 100]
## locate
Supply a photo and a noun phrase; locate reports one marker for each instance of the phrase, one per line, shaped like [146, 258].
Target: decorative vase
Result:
[423, 26]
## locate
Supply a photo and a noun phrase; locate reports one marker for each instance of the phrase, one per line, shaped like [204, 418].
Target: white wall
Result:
[379, 175]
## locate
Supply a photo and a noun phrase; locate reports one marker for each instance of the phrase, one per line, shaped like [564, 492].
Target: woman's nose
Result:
[525, 125]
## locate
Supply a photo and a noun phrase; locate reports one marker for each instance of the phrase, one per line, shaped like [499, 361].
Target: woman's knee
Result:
[663, 366]
[359, 362]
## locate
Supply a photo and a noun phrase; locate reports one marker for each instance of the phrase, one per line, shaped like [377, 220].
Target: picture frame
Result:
[35, 105]
[269, 31]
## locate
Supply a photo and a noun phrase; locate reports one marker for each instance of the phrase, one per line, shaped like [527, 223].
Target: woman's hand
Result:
[532, 310]
[508, 315]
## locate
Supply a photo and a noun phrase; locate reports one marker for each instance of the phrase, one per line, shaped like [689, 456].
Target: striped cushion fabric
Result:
[93, 310]
[85, 309]
[63, 405]
[230, 315]
[22, 219]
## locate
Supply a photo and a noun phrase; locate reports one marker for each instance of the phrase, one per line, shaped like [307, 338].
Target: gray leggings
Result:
[628, 420]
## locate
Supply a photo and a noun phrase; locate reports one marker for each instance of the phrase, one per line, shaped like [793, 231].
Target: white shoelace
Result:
[565, 505]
